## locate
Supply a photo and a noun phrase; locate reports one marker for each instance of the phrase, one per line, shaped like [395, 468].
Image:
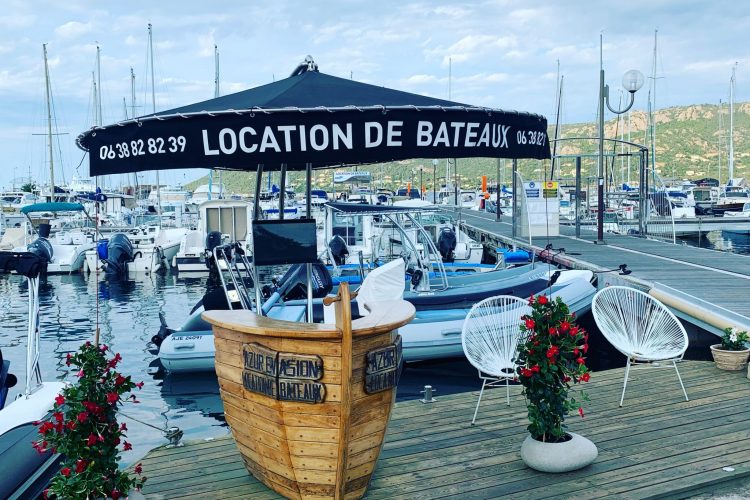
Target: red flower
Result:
[531, 299]
[127, 446]
[564, 326]
[83, 416]
[580, 361]
[576, 351]
[138, 469]
[585, 377]
[552, 352]
[542, 299]
[67, 359]
[103, 347]
[531, 352]
[60, 399]
[123, 427]
[530, 324]
[79, 374]
[119, 380]
[112, 397]
[46, 427]
[574, 331]
[58, 416]
[566, 379]
[65, 471]
[535, 369]
[552, 329]
[115, 494]
[71, 425]
[580, 411]
[585, 348]
[80, 466]
[91, 441]
[526, 372]
[139, 385]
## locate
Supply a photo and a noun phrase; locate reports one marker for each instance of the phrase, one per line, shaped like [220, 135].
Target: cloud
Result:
[73, 29]
[473, 47]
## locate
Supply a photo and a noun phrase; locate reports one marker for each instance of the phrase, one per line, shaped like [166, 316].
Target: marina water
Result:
[129, 316]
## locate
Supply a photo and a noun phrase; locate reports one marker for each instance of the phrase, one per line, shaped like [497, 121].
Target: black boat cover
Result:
[312, 118]
[25, 263]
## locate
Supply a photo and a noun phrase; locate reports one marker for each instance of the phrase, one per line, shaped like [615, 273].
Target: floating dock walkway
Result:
[704, 287]
[656, 446]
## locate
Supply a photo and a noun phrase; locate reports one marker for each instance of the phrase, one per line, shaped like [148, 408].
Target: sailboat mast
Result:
[49, 122]
[653, 109]
[731, 126]
[132, 115]
[99, 87]
[153, 110]
[217, 93]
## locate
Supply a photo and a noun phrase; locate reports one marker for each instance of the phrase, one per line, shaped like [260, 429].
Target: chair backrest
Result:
[637, 324]
[491, 333]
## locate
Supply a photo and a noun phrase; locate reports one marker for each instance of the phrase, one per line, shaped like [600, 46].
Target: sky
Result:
[498, 53]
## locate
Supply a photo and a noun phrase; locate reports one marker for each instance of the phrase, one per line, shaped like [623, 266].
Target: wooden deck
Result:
[657, 445]
[708, 275]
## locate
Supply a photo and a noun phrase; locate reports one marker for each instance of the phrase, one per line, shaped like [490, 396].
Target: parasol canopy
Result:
[315, 118]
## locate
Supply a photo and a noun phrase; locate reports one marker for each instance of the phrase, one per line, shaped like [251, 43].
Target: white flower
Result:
[733, 337]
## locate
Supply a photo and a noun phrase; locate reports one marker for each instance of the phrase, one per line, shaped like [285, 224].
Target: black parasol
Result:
[312, 118]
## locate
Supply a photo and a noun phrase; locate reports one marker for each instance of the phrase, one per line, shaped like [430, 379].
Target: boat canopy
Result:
[52, 207]
[315, 119]
[366, 209]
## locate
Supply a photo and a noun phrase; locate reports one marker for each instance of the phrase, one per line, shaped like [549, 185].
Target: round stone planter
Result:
[558, 457]
[729, 360]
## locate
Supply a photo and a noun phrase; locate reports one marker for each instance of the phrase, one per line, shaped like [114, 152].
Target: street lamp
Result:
[632, 81]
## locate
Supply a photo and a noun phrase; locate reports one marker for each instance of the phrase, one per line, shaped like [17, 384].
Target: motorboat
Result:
[355, 233]
[25, 471]
[229, 218]
[67, 247]
[441, 305]
[153, 248]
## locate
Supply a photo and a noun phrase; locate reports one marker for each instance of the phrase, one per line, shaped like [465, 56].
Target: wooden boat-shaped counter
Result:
[308, 404]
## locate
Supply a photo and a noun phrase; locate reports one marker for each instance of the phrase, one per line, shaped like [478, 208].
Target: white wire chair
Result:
[490, 337]
[640, 327]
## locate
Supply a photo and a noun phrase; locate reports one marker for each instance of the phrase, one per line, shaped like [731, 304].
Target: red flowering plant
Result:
[84, 429]
[551, 357]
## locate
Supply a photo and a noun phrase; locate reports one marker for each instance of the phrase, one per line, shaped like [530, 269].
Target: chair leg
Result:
[478, 401]
[680, 379]
[507, 391]
[625, 383]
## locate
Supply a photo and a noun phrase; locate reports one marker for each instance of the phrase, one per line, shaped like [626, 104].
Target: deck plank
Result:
[656, 445]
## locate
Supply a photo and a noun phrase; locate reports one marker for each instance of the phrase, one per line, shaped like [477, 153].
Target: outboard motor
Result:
[41, 247]
[119, 253]
[44, 230]
[446, 244]
[339, 250]
[293, 285]
[213, 240]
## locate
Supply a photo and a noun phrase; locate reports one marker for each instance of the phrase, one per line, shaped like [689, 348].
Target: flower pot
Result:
[729, 360]
[573, 454]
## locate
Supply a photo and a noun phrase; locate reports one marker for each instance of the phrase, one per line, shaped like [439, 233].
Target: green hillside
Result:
[689, 145]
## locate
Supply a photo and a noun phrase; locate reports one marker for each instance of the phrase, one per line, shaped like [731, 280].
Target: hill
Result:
[689, 145]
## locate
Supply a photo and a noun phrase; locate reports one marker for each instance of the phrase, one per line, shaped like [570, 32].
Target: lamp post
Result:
[421, 182]
[434, 181]
[632, 81]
